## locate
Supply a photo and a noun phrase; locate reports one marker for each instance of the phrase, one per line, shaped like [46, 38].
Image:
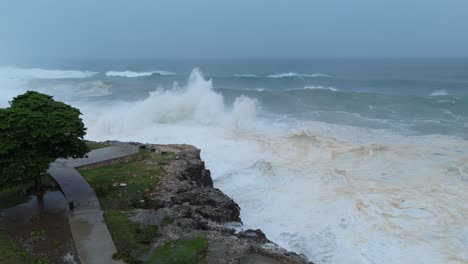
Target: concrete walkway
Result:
[92, 238]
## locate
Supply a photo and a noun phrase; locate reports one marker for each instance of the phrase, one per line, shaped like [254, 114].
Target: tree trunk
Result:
[38, 184]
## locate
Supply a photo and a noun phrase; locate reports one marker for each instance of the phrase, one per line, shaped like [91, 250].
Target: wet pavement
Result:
[92, 238]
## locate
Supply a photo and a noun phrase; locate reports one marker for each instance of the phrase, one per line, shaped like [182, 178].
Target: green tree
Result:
[35, 131]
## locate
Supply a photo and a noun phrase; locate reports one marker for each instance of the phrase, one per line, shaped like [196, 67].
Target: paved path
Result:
[92, 238]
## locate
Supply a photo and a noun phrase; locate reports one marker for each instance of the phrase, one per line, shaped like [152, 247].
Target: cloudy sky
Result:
[87, 29]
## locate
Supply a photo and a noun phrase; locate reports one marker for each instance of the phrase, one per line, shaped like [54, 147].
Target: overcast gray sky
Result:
[39, 29]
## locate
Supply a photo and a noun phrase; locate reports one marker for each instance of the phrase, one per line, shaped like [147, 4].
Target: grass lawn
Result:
[95, 145]
[181, 251]
[131, 239]
[139, 178]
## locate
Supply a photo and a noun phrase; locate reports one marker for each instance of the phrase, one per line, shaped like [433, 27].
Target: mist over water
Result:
[358, 169]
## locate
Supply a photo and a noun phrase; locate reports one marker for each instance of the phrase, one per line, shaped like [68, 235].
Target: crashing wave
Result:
[132, 74]
[197, 102]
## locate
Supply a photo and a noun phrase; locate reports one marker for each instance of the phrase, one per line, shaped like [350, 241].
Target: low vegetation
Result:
[126, 186]
[183, 251]
[130, 238]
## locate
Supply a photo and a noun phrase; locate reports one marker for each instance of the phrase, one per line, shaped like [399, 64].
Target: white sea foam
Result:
[132, 74]
[335, 193]
[439, 93]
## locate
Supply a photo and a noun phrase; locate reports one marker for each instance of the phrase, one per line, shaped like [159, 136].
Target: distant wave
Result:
[132, 74]
[320, 88]
[284, 75]
[36, 73]
[68, 91]
[439, 93]
[300, 75]
[247, 76]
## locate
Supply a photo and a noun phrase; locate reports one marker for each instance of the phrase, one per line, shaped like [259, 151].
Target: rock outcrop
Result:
[186, 204]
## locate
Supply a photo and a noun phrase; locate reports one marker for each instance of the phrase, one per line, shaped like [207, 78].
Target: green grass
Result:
[95, 145]
[10, 253]
[37, 233]
[181, 251]
[130, 238]
[43, 260]
[140, 176]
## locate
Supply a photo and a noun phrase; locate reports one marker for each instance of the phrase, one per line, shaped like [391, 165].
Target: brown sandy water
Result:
[40, 226]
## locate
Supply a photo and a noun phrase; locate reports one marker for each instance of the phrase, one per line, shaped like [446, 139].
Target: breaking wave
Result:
[132, 74]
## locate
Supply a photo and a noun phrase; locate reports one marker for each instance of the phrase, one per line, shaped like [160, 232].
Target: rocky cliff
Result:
[187, 205]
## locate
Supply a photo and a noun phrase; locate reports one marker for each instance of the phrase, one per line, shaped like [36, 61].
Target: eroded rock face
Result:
[186, 204]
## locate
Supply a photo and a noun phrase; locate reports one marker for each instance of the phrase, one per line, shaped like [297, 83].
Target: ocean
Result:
[343, 160]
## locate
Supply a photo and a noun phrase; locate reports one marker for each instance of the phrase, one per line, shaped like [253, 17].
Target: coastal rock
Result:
[185, 204]
[256, 235]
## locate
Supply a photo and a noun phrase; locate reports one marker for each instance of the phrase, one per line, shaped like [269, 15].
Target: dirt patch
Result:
[40, 226]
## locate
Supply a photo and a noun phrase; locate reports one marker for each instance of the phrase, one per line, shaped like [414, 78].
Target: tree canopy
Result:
[35, 131]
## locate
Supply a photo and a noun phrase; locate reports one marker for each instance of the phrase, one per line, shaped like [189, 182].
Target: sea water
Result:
[345, 161]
